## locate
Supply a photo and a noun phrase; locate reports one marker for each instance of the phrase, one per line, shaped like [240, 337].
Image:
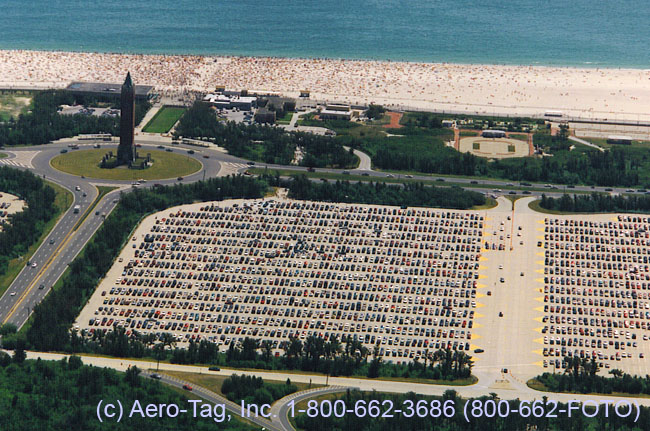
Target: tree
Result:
[159, 354]
[249, 348]
[375, 364]
[375, 111]
[267, 350]
[132, 376]
[7, 328]
[19, 355]
[74, 362]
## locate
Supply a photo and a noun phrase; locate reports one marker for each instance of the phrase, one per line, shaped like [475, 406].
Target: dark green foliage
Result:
[375, 111]
[422, 154]
[25, 227]
[53, 316]
[63, 395]
[597, 202]
[581, 376]
[45, 124]
[253, 389]
[426, 120]
[411, 194]
[7, 328]
[263, 143]
[345, 358]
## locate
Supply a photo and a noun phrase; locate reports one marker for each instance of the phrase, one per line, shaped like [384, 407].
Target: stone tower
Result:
[126, 150]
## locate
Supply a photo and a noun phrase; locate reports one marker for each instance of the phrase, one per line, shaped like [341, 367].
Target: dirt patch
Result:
[394, 120]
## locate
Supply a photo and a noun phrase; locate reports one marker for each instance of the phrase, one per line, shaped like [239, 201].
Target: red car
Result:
[187, 387]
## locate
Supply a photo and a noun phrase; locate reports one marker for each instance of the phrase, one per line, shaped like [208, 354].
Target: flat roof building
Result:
[334, 111]
[622, 140]
[224, 101]
[493, 134]
[264, 116]
[142, 92]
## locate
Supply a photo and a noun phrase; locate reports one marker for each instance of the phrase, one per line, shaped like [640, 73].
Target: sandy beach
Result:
[473, 89]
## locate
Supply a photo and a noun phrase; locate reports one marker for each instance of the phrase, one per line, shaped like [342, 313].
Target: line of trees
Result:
[44, 123]
[410, 194]
[581, 376]
[263, 143]
[597, 202]
[24, 228]
[345, 357]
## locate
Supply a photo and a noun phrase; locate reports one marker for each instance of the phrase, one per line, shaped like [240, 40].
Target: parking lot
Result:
[401, 278]
[9, 204]
[516, 289]
[596, 282]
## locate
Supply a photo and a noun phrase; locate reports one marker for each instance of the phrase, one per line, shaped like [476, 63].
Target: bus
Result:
[96, 137]
[187, 141]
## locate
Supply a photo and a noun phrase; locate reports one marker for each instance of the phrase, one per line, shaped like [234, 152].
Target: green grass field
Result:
[3, 155]
[164, 120]
[62, 202]
[165, 165]
[286, 119]
[520, 137]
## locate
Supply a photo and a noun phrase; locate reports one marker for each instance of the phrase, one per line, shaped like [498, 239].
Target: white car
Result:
[33, 264]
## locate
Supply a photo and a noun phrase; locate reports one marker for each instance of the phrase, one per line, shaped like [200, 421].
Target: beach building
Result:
[335, 111]
[100, 89]
[224, 101]
[493, 134]
[265, 116]
[278, 103]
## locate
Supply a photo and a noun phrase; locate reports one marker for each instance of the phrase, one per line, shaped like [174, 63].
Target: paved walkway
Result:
[365, 163]
[150, 114]
[587, 143]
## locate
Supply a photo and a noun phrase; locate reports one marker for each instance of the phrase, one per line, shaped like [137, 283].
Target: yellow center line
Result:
[43, 269]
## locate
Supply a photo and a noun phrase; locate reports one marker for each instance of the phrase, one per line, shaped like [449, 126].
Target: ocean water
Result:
[593, 33]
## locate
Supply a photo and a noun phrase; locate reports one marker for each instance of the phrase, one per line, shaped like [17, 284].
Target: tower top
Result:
[127, 81]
